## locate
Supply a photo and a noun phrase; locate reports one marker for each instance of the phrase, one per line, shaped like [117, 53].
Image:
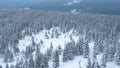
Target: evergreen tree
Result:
[85, 49]
[33, 42]
[104, 60]
[0, 66]
[31, 62]
[79, 47]
[56, 59]
[44, 63]
[46, 35]
[69, 52]
[41, 41]
[7, 66]
[95, 64]
[12, 66]
[51, 46]
[56, 33]
[49, 53]
[89, 64]
[8, 56]
[117, 55]
[52, 35]
[16, 50]
[17, 65]
[29, 51]
[59, 49]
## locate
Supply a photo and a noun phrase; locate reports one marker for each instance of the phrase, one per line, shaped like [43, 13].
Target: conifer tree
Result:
[56, 59]
[0, 66]
[7, 66]
[85, 49]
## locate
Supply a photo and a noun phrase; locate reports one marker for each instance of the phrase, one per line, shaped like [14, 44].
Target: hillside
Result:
[49, 39]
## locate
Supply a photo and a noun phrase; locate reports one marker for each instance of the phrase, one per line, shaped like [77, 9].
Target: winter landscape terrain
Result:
[49, 39]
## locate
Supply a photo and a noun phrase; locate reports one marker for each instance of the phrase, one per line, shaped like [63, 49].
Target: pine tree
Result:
[79, 47]
[12, 66]
[69, 51]
[16, 50]
[33, 42]
[49, 53]
[56, 59]
[52, 35]
[31, 62]
[104, 60]
[41, 42]
[17, 65]
[117, 55]
[0, 66]
[46, 35]
[8, 56]
[89, 64]
[56, 33]
[51, 46]
[111, 53]
[29, 51]
[85, 49]
[7, 66]
[95, 64]
[59, 49]
[44, 63]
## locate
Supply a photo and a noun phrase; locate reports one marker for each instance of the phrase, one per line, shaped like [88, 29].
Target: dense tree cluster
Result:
[104, 30]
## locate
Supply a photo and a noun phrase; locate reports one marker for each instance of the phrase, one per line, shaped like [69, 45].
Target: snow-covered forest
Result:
[49, 39]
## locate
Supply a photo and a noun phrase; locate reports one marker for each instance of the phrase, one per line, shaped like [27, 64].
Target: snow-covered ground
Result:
[61, 40]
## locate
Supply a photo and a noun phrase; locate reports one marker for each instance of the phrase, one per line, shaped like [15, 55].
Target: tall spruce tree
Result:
[85, 49]
[56, 59]
[117, 55]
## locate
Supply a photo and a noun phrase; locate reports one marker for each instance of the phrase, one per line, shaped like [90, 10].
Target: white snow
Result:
[62, 40]
[91, 47]
[74, 63]
[112, 65]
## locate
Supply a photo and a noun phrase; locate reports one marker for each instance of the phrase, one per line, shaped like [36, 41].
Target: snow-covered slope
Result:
[62, 40]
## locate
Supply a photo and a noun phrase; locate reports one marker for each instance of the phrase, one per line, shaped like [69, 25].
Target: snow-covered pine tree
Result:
[85, 49]
[59, 49]
[65, 52]
[79, 47]
[52, 35]
[111, 53]
[117, 55]
[49, 53]
[104, 58]
[44, 63]
[8, 56]
[33, 42]
[29, 51]
[0, 66]
[69, 51]
[56, 59]
[56, 33]
[95, 64]
[7, 66]
[51, 46]
[46, 35]
[31, 62]
[41, 42]
[12, 66]
[89, 63]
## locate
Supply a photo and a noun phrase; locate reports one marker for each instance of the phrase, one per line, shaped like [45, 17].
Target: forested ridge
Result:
[104, 30]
